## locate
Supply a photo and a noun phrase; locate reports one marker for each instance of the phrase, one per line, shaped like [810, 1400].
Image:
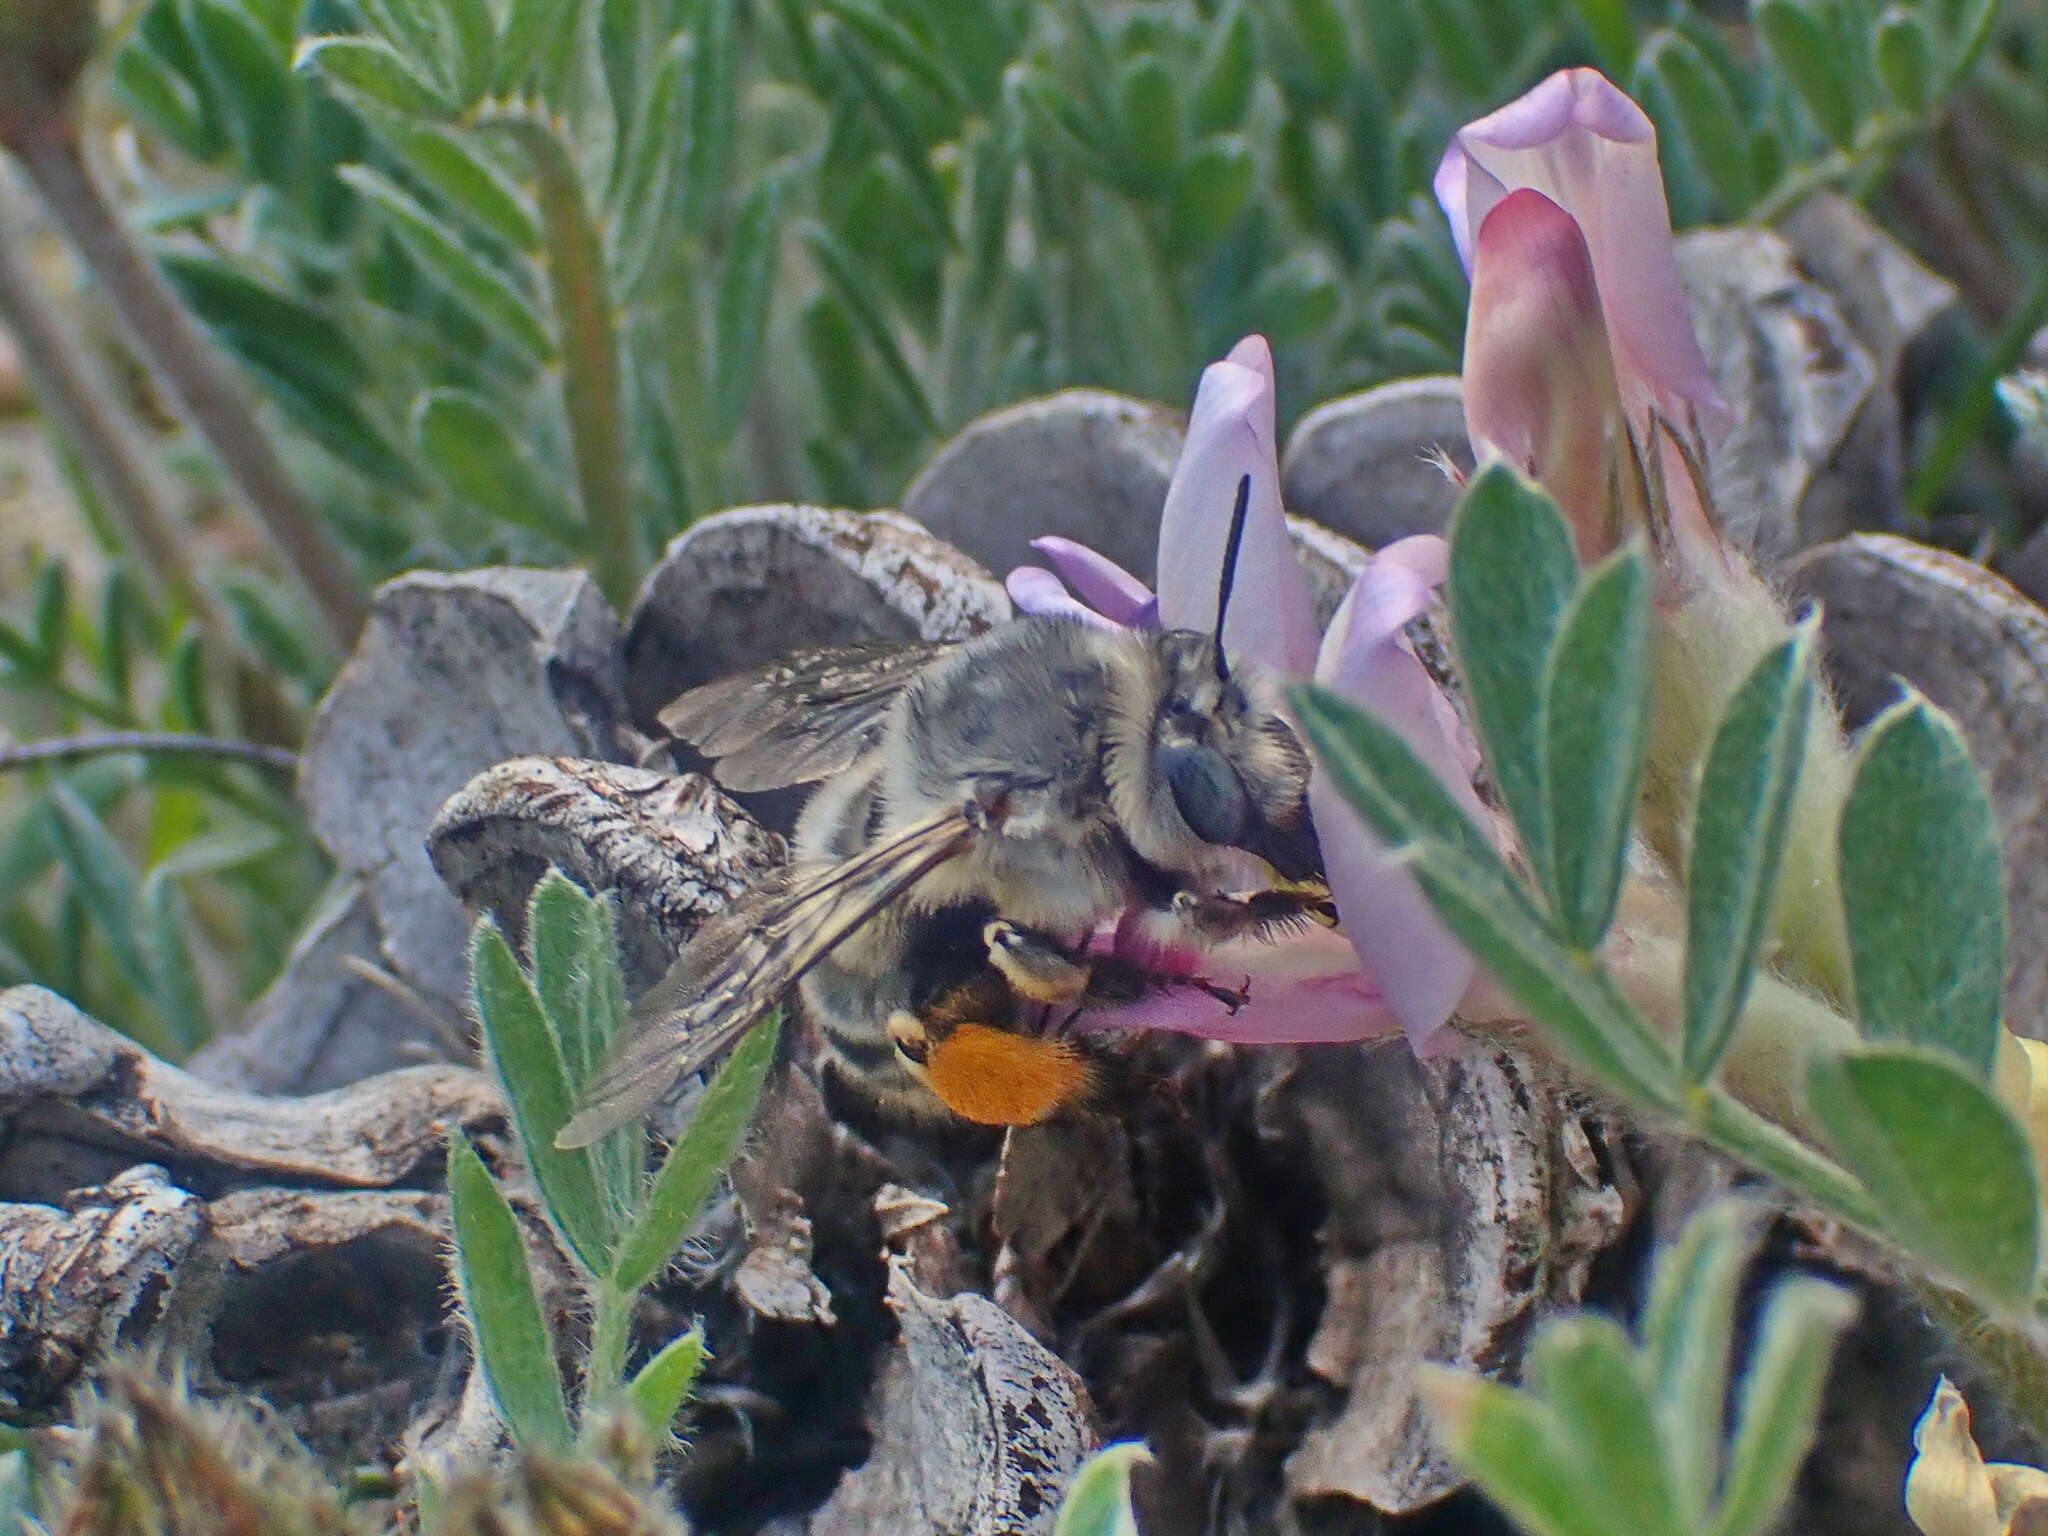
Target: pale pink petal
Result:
[1538, 379]
[1231, 435]
[1040, 594]
[1417, 965]
[1096, 579]
[1583, 143]
[1302, 990]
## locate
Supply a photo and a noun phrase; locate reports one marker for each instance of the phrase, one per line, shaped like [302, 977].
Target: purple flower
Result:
[1394, 964]
[1578, 333]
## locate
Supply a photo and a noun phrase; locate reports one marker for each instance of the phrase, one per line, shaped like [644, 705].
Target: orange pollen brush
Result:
[994, 1077]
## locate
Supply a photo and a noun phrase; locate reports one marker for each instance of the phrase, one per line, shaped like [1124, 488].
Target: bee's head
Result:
[1225, 766]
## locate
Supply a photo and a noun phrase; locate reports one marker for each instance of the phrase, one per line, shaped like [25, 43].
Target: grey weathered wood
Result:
[746, 586]
[1083, 464]
[978, 1427]
[1780, 348]
[1367, 464]
[452, 675]
[1979, 649]
[673, 850]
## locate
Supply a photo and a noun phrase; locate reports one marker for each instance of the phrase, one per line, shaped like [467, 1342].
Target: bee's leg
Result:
[1035, 967]
[1216, 919]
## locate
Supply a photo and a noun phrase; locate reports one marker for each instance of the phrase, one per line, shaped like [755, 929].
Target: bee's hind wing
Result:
[746, 960]
[798, 719]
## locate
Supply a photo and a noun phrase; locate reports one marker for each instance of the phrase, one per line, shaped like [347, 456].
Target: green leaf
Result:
[1148, 117]
[248, 74]
[50, 615]
[622, 47]
[1780, 1403]
[660, 1387]
[1611, 31]
[445, 161]
[1293, 299]
[1738, 840]
[104, 877]
[1212, 190]
[321, 405]
[528, 24]
[1513, 574]
[890, 39]
[374, 72]
[1707, 118]
[1480, 899]
[697, 1160]
[864, 307]
[467, 442]
[1806, 55]
[1226, 74]
[745, 284]
[501, 307]
[167, 949]
[523, 1053]
[496, 1288]
[1949, 1165]
[471, 42]
[1596, 732]
[1905, 58]
[228, 298]
[1324, 42]
[164, 100]
[713, 113]
[1519, 1453]
[899, 130]
[1923, 888]
[649, 180]
[1098, 1501]
[1688, 1329]
[1584, 1369]
[576, 972]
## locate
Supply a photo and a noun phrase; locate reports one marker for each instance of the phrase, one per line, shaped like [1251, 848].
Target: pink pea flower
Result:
[1578, 342]
[1393, 965]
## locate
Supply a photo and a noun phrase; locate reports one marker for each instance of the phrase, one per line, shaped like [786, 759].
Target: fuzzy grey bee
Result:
[982, 809]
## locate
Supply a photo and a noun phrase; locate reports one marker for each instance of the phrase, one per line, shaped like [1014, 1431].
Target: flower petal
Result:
[1538, 378]
[1231, 436]
[1412, 957]
[1041, 594]
[1581, 142]
[1096, 579]
[1948, 1492]
[1305, 989]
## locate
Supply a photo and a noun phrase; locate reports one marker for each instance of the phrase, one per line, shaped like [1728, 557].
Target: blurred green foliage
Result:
[543, 280]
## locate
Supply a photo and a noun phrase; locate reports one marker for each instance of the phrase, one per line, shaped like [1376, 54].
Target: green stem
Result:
[1722, 1119]
[168, 337]
[610, 1335]
[592, 396]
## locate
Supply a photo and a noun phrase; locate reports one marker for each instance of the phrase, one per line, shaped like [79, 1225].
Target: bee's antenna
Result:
[1230, 549]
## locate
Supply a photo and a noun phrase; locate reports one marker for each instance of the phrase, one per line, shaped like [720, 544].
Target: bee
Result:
[983, 808]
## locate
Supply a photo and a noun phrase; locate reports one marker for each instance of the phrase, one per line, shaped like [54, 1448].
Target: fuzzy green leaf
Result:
[496, 1288]
[1780, 1402]
[1707, 118]
[1226, 76]
[485, 292]
[164, 100]
[465, 439]
[523, 1052]
[1738, 839]
[1596, 733]
[745, 284]
[1098, 1501]
[1905, 58]
[661, 1386]
[445, 161]
[1480, 899]
[1923, 888]
[1212, 190]
[698, 1159]
[1688, 1329]
[1520, 1453]
[1513, 575]
[228, 298]
[104, 876]
[1949, 1165]
[1584, 1368]
[165, 933]
[1807, 57]
[374, 72]
[249, 76]
[1148, 114]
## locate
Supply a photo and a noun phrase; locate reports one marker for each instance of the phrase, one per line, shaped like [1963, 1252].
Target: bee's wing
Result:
[802, 718]
[744, 961]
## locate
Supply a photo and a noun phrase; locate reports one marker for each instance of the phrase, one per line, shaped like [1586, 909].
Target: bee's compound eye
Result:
[907, 1034]
[1206, 790]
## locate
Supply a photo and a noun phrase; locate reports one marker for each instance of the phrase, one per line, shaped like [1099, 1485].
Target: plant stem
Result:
[610, 1329]
[171, 341]
[63, 749]
[591, 394]
[109, 445]
[1719, 1117]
